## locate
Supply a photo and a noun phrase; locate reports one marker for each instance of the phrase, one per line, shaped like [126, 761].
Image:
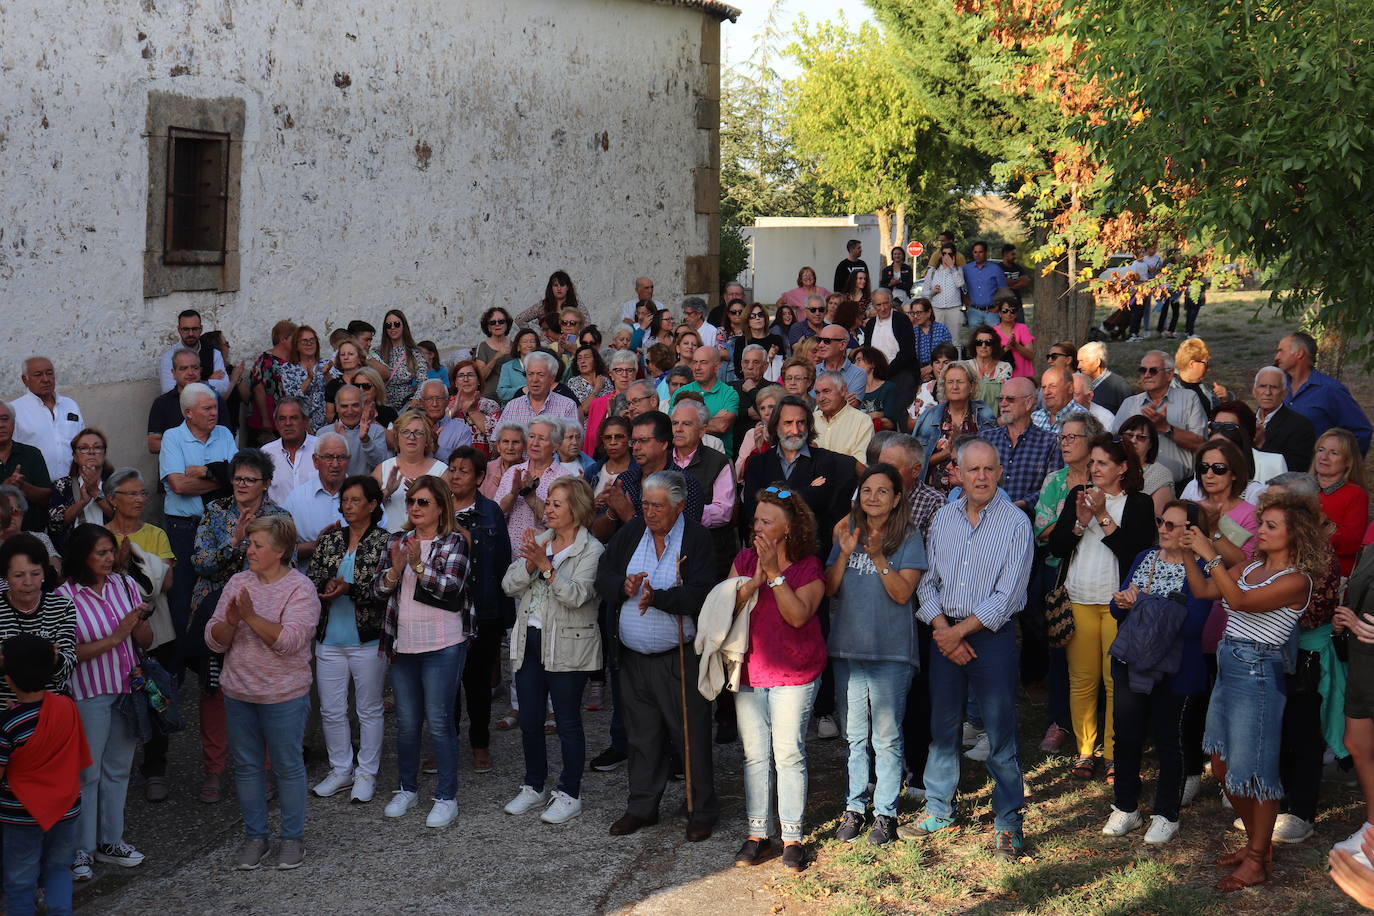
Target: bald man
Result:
[1028, 454]
[644, 292]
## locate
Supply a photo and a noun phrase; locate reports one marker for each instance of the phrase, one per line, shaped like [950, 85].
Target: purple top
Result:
[781, 655]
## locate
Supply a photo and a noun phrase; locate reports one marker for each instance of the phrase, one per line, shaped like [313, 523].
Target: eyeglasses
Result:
[626, 369]
[132, 494]
[780, 494]
[1168, 525]
[331, 458]
[1151, 370]
[90, 449]
[642, 440]
[1011, 397]
[1071, 437]
[641, 399]
[392, 325]
[246, 481]
[466, 375]
[410, 433]
[1216, 468]
[424, 502]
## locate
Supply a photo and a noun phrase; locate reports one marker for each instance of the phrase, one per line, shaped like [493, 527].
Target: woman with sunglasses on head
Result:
[944, 284]
[781, 673]
[424, 578]
[958, 415]
[806, 286]
[1143, 438]
[1264, 600]
[414, 459]
[496, 324]
[876, 561]
[1101, 529]
[989, 364]
[480, 414]
[1337, 465]
[1151, 706]
[405, 365]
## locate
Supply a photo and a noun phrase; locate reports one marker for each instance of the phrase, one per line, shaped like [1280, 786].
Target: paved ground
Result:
[488, 862]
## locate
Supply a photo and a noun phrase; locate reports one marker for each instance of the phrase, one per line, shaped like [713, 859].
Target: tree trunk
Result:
[884, 241]
[1062, 310]
[899, 226]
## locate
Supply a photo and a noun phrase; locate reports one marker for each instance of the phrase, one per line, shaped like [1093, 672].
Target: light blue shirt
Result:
[961, 580]
[313, 508]
[180, 450]
[655, 630]
[453, 434]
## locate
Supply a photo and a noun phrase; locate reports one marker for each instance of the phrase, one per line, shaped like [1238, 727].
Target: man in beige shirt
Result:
[839, 427]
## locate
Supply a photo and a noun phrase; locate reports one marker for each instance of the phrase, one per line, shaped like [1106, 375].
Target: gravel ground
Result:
[487, 862]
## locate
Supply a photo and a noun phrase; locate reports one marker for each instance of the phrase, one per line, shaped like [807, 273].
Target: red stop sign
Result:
[915, 249]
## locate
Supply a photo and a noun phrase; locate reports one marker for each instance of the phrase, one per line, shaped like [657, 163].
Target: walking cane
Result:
[682, 695]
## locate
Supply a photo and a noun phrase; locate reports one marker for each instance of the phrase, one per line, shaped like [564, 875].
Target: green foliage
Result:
[734, 252]
[1251, 125]
[870, 137]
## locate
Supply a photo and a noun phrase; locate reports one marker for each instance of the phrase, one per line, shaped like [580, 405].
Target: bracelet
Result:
[1212, 564]
[1104, 520]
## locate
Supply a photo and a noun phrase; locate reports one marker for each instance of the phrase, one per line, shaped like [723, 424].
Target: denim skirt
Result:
[1245, 718]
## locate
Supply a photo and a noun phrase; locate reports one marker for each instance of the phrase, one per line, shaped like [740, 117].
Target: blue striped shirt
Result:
[977, 569]
[653, 630]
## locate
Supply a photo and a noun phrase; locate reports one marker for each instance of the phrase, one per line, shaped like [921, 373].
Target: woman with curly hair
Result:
[1264, 600]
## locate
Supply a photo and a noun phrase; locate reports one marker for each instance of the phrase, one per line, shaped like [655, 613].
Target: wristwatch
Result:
[774, 583]
[1104, 520]
[885, 570]
[418, 567]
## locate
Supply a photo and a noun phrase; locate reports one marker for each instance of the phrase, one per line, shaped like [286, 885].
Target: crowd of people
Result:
[874, 510]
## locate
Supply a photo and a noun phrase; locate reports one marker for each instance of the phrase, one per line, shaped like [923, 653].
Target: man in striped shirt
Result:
[980, 558]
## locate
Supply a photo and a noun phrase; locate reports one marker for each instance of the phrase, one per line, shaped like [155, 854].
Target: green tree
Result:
[870, 137]
[1250, 125]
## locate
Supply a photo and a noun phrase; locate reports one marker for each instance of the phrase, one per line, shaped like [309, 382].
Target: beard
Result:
[792, 443]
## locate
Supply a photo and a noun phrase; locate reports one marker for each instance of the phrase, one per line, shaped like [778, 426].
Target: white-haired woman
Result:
[525, 486]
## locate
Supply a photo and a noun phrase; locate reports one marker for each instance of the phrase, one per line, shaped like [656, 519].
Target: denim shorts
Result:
[1245, 718]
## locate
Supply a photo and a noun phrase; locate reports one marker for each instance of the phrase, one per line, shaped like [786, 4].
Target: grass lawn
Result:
[1071, 867]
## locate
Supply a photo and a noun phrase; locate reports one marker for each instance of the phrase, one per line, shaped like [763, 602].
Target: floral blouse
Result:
[950, 431]
[400, 388]
[293, 380]
[583, 389]
[64, 493]
[481, 435]
[368, 608]
[215, 559]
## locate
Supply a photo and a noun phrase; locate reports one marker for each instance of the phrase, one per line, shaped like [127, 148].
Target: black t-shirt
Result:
[166, 412]
[744, 422]
[1013, 274]
[844, 269]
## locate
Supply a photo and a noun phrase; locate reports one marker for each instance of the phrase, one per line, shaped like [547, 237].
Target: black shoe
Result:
[754, 852]
[794, 856]
[884, 830]
[851, 825]
[608, 760]
[629, 823]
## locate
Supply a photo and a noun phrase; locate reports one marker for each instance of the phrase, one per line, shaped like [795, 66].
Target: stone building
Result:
[261, 159]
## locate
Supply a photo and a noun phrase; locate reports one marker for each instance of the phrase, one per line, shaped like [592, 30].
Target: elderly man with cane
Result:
[656, 571]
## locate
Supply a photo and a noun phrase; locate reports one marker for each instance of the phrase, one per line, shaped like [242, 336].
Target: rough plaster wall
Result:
[436, 155]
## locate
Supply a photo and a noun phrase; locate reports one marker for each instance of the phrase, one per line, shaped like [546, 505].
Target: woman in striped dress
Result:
[110, 618]
[29, 605]
[1264, 600]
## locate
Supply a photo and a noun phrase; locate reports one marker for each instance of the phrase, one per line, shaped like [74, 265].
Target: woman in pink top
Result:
[782, 670]
[1016, 339]
[806, 286]
[110, 618]
[264, 624]
[424, 577]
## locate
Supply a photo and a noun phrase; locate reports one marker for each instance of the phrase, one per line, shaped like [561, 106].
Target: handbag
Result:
[1059, 626]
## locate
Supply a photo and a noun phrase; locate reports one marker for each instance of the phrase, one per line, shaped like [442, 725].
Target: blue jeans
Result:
[278, 729]
[535, 686]
[32, 855]
[772, 727]
[870, 698]
[978, 317]
[425, 685]
[992, 678]
[105, 783]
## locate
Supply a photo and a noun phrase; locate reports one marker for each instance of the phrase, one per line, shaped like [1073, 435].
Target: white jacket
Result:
[722, 638]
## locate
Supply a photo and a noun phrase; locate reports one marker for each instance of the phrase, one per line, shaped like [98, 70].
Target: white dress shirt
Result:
[289, 473]
[49, 431]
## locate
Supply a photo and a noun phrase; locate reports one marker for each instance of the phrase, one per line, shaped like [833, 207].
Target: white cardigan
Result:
[722, 638]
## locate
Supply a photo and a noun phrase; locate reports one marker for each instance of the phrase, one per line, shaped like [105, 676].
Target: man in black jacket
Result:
[1279, 428]
[890, 332]
[655, 574]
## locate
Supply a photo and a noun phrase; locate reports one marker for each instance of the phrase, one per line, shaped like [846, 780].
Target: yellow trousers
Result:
[1094, 628]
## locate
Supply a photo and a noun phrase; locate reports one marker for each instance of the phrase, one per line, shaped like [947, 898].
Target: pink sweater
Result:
[255, 672]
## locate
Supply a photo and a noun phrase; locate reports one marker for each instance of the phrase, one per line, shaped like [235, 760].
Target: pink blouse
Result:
[255, 672]
[1020, 366]
[781, 655]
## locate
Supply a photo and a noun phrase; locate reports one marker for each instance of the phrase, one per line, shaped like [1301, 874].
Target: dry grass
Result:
[1072, 868]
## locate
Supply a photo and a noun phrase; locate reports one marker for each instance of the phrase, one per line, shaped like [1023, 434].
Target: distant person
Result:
[1315, 395]
[852, 263]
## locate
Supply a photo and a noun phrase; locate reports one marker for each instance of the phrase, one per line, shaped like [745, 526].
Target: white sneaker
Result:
[1192, 785]
[1120, 823]
[1352, 843]
[1289, 828]
[1162, 830]
[444, 812]
[400, 803]
[526, 800]
[562, 809]
[1226, 801]
[335, 782]
[827, 728]
[981, 750]
[1238, 824]
[363, 788]
[971, 733]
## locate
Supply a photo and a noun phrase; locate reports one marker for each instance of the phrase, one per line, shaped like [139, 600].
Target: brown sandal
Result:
[1232, 883]
[1084, 767]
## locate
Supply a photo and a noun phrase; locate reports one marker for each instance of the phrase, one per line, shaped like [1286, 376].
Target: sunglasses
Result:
[392, 325]
[780, 494]
[1151, 370]
[1053, 355]
[1007, 311]
[834, 340]
[1136, 437]
[1168, 525]
[424, 502]
[982, 342]
[1216, 468]
[735, 313]
[1223, 427]
[365, 386]
[570, 323]
[815, 310]
[497, 323]
[759, 315]
[410, 433]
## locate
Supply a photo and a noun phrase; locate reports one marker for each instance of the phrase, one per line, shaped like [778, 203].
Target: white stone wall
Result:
[439, 156]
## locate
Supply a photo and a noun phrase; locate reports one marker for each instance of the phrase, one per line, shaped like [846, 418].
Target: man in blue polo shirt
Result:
[982, 279]
[1316, 395]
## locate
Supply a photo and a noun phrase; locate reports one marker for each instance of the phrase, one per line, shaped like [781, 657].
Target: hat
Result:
[1003, 294]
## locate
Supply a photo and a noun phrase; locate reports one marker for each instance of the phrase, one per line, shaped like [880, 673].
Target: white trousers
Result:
[334, 667]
